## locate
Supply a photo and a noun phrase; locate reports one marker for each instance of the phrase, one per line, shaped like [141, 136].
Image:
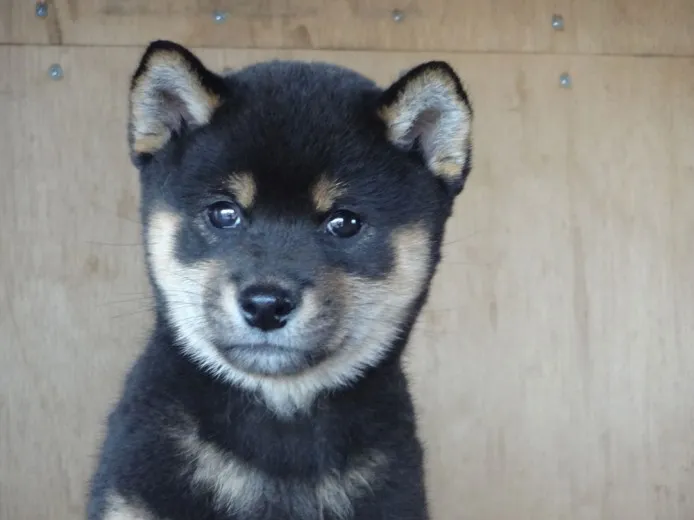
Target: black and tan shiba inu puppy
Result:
[293, 215]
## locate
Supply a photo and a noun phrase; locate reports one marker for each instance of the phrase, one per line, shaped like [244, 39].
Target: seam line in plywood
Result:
[368, 50]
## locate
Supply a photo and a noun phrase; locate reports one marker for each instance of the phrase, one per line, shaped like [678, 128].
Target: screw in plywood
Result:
[41, 9]
[565, 80]
[55, 71]
[219, 16]
[398, 15]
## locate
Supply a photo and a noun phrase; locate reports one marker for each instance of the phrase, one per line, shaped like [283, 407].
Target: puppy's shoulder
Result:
[140, 436]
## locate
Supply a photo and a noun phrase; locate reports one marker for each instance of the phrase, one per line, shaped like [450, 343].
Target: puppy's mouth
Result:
[269, 359]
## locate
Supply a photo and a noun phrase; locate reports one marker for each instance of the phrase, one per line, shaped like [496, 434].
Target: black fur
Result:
[140, 462]
[287, 123]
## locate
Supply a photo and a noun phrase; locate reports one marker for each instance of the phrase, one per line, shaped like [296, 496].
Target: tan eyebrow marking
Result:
[243, 187]
[325, 192]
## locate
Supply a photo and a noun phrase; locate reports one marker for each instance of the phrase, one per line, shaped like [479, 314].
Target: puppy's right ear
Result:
[171, 92]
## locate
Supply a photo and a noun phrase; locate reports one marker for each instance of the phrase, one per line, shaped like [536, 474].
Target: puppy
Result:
[292, 217]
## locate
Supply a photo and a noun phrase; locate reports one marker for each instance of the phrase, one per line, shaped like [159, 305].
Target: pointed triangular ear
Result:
[171, 91]
[427, 107]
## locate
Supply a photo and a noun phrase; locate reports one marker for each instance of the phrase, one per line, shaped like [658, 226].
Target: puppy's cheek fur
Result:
[182, 286]
[372, 312]
[325, 308]
[314, 321]
[377, 309]
[227, 313]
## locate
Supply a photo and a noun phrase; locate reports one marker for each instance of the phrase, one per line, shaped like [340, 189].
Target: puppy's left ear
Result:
[429, 108]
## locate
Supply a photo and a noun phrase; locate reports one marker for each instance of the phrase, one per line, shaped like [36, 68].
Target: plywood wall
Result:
[642, 27]
[552, 367]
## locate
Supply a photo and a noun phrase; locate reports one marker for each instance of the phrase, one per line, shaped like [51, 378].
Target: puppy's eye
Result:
[224, 214]
[343, 224]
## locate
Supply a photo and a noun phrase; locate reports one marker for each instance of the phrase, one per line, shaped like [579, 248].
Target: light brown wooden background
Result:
[553, 367]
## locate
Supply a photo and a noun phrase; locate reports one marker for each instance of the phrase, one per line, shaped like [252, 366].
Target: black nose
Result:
[266, 308]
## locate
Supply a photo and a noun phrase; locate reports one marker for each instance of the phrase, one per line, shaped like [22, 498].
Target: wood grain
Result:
[566, 301]
[552, 367]
[72, 309]
[591, 26]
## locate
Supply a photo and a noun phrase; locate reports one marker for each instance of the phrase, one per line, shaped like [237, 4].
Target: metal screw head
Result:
[398, 15]
[558, 22]
[565, 80]
[55, 71]
[219, 16]
[41, 9]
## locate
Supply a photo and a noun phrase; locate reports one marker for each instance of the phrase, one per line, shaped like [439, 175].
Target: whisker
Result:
[113, 244]
[130, 300]
[456, 240]
[445, 262]
[128, 314]
[214, 290]
[116, 215]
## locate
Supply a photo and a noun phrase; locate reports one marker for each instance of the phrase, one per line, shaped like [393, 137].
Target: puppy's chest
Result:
[241, 490]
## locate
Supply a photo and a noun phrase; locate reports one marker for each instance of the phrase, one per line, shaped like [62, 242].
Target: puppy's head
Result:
[293, 211]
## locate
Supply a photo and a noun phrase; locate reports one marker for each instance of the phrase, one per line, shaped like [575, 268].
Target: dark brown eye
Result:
[224, 214]
[343, 224]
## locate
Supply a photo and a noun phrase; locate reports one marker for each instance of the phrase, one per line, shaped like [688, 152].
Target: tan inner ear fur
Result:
[168, 76]
[445, 139]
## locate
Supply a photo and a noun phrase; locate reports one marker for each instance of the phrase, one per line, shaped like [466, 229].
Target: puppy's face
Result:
[293, 212]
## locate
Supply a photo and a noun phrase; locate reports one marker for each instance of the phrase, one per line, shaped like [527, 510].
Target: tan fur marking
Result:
[242, 186]
[447, 136]
[236, 487]
[336, 493]
[182, 286]
[239, 488]
[167, 72]
[150, 143]
[324, 193]
[119, 509]
[373, 312]
[310, 305]
[448, 169]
